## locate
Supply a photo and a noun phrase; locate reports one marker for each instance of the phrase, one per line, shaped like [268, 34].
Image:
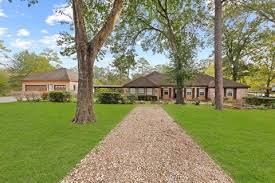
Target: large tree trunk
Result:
[218, 56]
[267, 93]
[235, 73]
[179, 97]
[86, 54]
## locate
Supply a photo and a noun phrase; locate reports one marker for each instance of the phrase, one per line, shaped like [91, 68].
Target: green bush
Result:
[267, 101]
[131, 98]
[45, 95]
[148, 98]
[109, 98]
[60, 96]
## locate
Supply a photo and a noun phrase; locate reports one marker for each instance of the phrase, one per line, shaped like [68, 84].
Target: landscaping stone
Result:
[147, 146]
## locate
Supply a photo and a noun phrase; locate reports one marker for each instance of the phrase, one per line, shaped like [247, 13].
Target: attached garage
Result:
[36, 87]
[57, 80]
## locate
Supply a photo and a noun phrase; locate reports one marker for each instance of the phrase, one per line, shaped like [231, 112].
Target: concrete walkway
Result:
[147, 146]
[7, 99]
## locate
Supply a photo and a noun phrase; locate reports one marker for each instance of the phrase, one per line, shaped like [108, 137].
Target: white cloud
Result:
[44, 31]
[3, 31]
[49, 41]
[22, 44]
[23, 32]
[61, 13]
[2, 14]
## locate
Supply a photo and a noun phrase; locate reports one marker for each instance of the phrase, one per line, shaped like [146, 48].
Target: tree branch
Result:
[97, 42]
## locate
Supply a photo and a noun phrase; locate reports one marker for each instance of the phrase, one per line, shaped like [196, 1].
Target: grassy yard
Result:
[241, 141]
[39, 144]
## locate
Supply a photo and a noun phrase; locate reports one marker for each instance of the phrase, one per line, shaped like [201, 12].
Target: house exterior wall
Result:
[211, 93]
[241, 92]
[47, 83]
[73, 86]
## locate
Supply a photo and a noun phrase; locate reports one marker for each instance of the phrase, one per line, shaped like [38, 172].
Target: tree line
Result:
[22, 64]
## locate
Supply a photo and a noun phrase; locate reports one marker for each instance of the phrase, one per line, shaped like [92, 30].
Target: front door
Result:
[165, 94]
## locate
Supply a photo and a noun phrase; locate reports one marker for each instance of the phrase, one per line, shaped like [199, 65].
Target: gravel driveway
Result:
[147, 146]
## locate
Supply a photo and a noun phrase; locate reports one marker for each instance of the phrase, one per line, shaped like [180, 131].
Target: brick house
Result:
[202, 87]
[154, 83]
[59, 79]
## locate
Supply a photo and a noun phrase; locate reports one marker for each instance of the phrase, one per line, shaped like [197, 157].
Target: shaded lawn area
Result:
[39, 144]
[240, 141]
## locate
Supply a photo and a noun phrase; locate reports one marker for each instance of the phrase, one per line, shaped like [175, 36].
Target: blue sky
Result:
[36, 27]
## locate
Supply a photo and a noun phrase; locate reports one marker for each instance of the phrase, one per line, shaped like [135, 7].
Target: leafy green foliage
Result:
[123, 64]
[264, 60]
[109, 98]
[240, 35]
[60, 96]
[3, 52]
[45, 96]
[166, 27]
[263, 8]
[260, 101]
[51, 56]
[4, 85]
[25, 63]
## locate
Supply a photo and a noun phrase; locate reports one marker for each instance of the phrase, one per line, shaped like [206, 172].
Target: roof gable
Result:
[159, 78]
[156, 79]
[55, 75]
[141, 81]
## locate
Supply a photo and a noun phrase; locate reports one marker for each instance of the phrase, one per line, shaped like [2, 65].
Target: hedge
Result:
[45, 96]
[109, 98]
[267, 101]
[148, 98]
[60, 96]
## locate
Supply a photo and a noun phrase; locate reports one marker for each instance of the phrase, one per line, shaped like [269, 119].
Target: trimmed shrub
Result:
[147, 98]
[45, 95]
[19, 95]
[109, 98]
[60, 96]
[131, 98]
[260, 101]
[32, 96]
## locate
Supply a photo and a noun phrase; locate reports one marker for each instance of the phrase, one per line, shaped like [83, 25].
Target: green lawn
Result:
[241, 141]
[39, 144]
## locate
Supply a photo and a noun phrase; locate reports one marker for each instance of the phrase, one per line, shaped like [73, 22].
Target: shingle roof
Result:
[62, 74]
[141, 81]
[156, 79]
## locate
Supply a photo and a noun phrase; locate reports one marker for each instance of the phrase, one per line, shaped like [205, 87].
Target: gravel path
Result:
[148, 146]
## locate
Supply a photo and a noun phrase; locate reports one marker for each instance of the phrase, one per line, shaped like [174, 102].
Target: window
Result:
[229, 92]
[165, 91]
[50, 87]
[132, 91]
[141, 91]
[149, 91]
[36, 88]
[189, 91]
[201, 92]
[74, 87]
[60, 87]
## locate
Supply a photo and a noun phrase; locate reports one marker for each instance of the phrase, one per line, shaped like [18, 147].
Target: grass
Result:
[39, 144]
[242, 142]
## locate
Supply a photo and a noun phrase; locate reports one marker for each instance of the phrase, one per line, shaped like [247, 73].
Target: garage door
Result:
[36, 87]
